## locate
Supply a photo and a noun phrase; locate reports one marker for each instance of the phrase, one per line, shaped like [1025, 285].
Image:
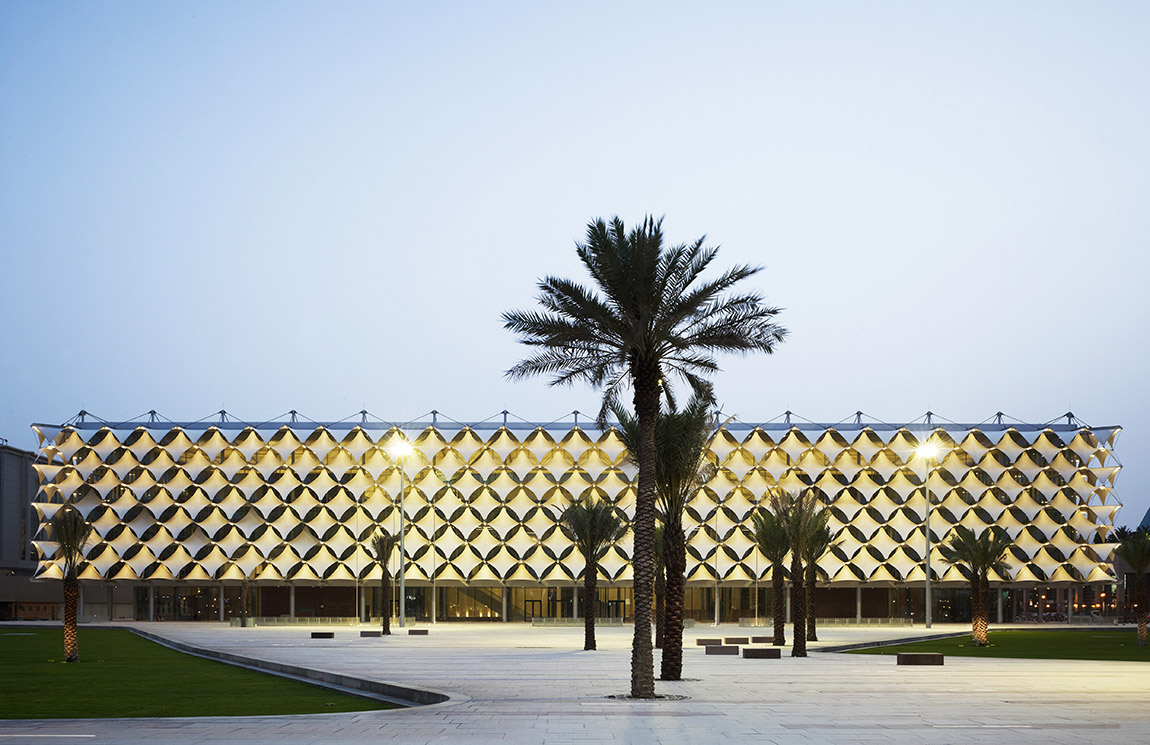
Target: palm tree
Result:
[819, 541]
[682, 441]
[649, 316]
[799, 515]
[71, 533]
[771, 537]
[592, 525]
[382, 546]
[978, 556]
[1135, 551]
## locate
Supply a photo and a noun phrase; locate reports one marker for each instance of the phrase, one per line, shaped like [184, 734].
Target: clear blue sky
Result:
[326, 207]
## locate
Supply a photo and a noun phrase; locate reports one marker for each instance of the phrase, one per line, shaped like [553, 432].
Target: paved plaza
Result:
[511, 683]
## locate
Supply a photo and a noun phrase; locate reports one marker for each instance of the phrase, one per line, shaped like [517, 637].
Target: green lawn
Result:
[1034, 645]
[123, 675]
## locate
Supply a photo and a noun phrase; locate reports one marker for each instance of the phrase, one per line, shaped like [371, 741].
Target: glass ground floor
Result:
[217, 602]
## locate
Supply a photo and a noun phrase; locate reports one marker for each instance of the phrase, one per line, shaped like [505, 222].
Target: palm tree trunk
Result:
[675, 559]
[979, 610]
[812, 632]
[1140, 595]
[798, 608]
[385, 605]
[590, 603]
[71, 609]
[660, 609]
[645, 377]
[779, 604]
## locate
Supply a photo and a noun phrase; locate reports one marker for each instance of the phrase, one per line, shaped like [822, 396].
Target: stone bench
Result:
[762, 640]
[736, 640]
[370, 633]
[707, 642]
[417, 632]
[919, 658]
[323, 635]
[762, 653]
[722, 649]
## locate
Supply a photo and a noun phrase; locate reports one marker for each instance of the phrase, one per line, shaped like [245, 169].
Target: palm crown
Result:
[681, 445]
[651, 311]
[978, 555]
[592, 525]
[771, 536]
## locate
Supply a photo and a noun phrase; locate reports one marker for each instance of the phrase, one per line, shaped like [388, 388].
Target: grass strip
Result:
[1033, 645]
[123, 675]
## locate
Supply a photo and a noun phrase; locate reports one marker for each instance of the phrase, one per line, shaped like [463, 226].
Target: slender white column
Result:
[291, 601]
[858, 603]
[152, 602]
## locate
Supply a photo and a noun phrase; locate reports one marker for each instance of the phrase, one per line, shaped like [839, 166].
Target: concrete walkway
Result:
[510, 683]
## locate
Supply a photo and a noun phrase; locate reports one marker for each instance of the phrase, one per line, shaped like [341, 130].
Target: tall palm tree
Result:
[382, 546]
[1135, 551]
[977, 556]
[592, 525]
[799, 514]
[71, 532]
[648, 317]
[682, 441]
[771, 537]
[819, 541]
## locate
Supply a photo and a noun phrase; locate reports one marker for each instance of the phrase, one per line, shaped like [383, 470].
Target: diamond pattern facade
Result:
[299, 503]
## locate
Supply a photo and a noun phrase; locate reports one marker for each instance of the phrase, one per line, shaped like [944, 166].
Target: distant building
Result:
[184, 513]
[21, 599]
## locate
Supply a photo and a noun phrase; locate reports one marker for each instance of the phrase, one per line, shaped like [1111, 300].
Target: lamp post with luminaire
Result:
[927, 451]
[399, 449]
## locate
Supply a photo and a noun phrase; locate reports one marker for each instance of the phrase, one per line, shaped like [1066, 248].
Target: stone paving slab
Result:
[511, 683]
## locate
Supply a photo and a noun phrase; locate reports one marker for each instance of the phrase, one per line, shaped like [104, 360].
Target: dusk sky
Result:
[326, 207]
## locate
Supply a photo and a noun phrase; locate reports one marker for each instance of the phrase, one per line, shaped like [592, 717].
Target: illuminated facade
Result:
[194, 510]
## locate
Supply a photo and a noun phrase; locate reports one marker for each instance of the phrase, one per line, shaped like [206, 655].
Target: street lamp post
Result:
[358, 604]
[399, 449]
[927, 451]
[718, 546]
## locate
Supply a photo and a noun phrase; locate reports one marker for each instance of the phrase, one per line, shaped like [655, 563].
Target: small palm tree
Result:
[771, 537]
[977, 556]
[592, 525]
[71, 533]
[682, 440]
[799, 514]
[382, 546]
[648, 317]
[1135, 551]
[819, 541]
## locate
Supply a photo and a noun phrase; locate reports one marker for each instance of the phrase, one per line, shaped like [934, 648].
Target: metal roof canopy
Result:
[786, 421]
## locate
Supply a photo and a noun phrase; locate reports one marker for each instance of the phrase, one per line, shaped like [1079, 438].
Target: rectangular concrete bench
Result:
[707, 642]
[762, 653]
[736, 640]
[722, 649]
[919, 658]
[323, 635]
[762, 640]
[417, 632]
[370, 633]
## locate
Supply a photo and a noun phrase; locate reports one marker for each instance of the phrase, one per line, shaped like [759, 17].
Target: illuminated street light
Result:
[399, 449]
[928, 451]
